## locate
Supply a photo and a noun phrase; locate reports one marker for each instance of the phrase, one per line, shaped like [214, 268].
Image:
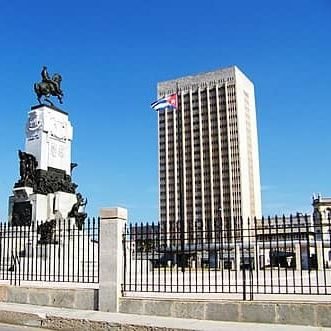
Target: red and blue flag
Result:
[169, 101]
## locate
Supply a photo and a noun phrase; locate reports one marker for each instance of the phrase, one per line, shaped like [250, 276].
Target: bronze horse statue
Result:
[49, 87]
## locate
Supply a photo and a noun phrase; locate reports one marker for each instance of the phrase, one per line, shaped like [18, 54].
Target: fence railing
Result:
[288, 255]
[50, 252]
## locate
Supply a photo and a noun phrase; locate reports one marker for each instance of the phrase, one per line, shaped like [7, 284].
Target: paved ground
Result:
[70, 319]
[225, 281]
[7, 327]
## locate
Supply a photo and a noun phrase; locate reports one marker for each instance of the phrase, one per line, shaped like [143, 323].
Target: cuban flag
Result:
[169, 101]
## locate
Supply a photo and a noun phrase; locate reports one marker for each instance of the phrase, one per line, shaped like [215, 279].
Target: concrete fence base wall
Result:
[86, 299]
[313, 314]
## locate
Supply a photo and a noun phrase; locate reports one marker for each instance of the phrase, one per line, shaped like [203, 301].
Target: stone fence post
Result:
[112, 222]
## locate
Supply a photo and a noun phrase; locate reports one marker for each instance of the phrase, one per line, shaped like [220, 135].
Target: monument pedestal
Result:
[45, 190]
[48, 138]
[46, 213]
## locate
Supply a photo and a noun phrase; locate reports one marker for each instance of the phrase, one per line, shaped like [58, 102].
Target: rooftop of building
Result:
[210, 78]
[321, 200]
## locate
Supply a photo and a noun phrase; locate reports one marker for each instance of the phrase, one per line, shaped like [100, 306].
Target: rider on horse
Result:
[55, 85]
[48, 87]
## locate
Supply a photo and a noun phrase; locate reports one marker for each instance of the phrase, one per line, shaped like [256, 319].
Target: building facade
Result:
[208, 152]
[322, 217]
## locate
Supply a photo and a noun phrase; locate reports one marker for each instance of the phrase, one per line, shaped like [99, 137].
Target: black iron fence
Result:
[50, 252]
[288, 255]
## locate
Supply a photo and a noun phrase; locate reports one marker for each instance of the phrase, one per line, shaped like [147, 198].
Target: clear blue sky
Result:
[111, 54]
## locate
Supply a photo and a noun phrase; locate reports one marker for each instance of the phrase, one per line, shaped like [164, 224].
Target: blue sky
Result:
[112, 54]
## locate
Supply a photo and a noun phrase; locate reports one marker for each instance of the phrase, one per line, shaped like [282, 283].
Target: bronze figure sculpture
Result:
[78, 211]
[46, 230]
[28, 166]
[49, 87]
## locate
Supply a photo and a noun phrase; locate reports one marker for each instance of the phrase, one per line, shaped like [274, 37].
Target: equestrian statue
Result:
[49, 87]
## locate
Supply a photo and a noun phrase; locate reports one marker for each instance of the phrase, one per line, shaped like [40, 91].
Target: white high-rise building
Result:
[208, 152]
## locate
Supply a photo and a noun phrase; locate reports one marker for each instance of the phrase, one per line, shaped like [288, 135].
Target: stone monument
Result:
[45, 191]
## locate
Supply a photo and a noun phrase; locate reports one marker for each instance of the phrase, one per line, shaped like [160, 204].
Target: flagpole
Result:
[163, 103]
[181, 182]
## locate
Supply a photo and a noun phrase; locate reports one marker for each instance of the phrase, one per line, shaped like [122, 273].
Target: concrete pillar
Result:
[238, 256]
[199, 259]
[112, 221]
[256, 256]
[298, 256]
[319, 255]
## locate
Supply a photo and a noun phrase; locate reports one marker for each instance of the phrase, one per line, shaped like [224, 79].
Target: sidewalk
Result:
[82, 320]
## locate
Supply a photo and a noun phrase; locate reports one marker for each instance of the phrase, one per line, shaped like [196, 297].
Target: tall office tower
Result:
[208, 152]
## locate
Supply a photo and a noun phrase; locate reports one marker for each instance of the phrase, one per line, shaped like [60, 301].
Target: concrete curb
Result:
[272, 312]
[69, 320]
